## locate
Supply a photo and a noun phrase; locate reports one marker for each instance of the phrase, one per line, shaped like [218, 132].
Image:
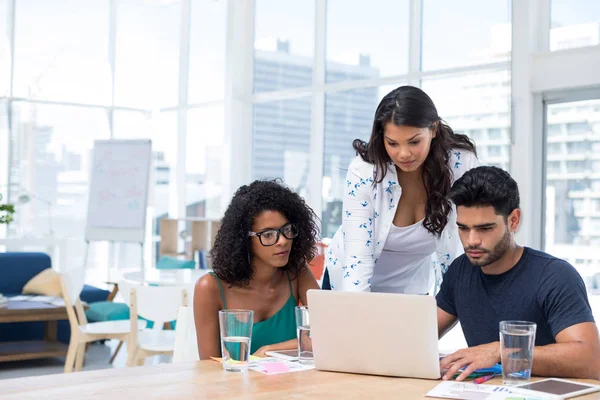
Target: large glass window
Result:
[52, 151]
[465, 32]
[4, 155]
[204, 157]
[574, 23]
[61, 51]
[4, 49]
[281, 141]
[573, 186]
[364, 42]
[207, 51]
[478, 105]
[348, 116]
[147, 53]
[283, 44]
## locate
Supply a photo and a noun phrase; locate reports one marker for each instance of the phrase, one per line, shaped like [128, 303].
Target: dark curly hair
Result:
[410, 106]
[230, 253]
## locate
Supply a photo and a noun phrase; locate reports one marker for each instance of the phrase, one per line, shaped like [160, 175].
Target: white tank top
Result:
[405, 262]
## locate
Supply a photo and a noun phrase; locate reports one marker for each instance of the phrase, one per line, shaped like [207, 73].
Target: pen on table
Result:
[482, 379]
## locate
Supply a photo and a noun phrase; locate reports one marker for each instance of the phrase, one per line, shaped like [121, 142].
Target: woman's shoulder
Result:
[360, 167]
[461, 161]
[207, 286]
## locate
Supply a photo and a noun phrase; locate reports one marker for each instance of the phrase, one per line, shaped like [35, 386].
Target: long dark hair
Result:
[410, 106]
[231, 252]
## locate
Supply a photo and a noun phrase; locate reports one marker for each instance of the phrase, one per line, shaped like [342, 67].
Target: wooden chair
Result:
[83, 332]
[154, 303]
[186, 343]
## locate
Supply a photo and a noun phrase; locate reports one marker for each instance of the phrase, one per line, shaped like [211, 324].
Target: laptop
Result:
[374, 333]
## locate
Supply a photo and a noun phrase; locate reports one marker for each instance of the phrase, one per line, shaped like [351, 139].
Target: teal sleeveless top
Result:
[278, 328]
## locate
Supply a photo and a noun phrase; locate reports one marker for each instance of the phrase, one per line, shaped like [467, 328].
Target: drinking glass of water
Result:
[517, 339]
[236, 334]
[305, 352]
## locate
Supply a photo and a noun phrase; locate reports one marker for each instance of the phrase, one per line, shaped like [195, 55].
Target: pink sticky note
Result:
[275, 368]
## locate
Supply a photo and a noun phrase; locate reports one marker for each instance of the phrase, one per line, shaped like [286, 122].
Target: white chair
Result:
[158, 304]
[186, 344]
[83, 332]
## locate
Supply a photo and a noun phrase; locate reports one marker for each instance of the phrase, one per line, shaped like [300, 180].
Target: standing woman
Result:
[399, 229]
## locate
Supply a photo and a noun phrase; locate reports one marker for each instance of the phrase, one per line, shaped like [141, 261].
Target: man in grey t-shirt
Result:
[497, 280]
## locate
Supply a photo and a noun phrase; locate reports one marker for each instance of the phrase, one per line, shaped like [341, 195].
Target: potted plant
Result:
[6, 212]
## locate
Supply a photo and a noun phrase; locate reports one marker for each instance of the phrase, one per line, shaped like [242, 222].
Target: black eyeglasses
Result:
[269, 237]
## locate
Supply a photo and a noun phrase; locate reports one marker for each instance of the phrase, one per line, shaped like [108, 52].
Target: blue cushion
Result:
[167, 262]
[108, 311]
[92, 294]
[101, 311]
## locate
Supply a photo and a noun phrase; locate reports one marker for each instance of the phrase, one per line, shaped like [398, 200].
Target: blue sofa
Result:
[16, 269]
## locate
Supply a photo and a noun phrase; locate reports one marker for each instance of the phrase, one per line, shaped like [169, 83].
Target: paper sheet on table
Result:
[22, 297]
[272, 366]
[471, 391]
[46, 299]
[58, 301]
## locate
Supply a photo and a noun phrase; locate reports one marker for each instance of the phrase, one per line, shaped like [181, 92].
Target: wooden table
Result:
[33, 311]
[207, 380]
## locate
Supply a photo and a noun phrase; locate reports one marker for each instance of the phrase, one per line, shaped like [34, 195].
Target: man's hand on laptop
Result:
[472, 358]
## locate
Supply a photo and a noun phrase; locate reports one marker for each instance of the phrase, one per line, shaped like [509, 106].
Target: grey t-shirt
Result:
[539, 288]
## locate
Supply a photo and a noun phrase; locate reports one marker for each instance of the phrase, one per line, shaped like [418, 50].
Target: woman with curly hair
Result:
[260, 262]
[398, 226]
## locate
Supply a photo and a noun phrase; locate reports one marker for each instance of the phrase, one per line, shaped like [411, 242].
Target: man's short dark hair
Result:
[486, 186]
